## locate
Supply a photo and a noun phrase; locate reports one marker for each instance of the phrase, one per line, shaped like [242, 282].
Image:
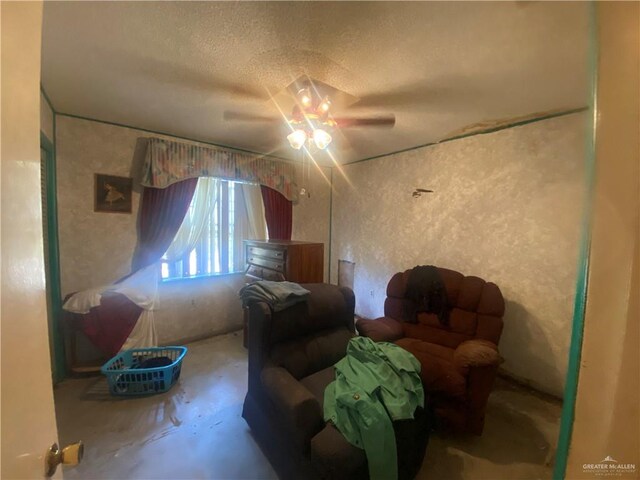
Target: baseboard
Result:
[522, 383]
[202, 336]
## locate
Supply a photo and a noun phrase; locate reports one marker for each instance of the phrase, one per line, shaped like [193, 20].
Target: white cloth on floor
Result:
[143, 334]
[142, 289]
[82, 302]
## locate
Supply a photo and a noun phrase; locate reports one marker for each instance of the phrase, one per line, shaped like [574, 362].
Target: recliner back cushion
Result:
[476, 310]
[310, 354]
[325, 308]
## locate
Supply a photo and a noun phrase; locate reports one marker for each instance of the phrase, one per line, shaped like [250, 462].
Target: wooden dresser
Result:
[280, 260]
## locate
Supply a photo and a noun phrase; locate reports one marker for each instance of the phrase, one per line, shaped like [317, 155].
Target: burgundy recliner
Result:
[459, 358]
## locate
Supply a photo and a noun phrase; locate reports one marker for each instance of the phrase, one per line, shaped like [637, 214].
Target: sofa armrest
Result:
[335, 458]
[478, 360]
[299, 408]
[383, 329]
[476, 353]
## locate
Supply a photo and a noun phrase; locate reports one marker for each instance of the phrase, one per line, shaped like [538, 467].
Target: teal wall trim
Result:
[480, 132]
[46, 97]
[575, 348]
[53, 255]
[115, 124]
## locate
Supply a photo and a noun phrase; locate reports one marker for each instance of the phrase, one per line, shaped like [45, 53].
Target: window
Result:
[209, 241]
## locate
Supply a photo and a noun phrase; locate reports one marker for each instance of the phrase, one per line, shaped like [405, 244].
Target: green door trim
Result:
[53, 255]
[582, 282]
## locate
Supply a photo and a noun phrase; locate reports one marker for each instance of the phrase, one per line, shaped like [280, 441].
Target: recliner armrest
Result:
[335, 457]
[300, 409]
[383, 329]
[476, 353]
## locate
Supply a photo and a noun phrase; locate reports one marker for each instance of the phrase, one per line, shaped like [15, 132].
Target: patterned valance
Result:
[169, 162]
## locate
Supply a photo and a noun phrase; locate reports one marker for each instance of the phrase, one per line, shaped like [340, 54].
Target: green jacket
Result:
[375, 384]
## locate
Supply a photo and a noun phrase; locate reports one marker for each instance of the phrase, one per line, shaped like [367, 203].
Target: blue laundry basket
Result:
[127, 375]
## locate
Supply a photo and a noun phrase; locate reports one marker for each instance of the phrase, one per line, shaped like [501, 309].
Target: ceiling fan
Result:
[311, 120]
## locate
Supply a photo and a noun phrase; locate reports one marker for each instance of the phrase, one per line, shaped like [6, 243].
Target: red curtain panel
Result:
[278, 212]
[161, 213]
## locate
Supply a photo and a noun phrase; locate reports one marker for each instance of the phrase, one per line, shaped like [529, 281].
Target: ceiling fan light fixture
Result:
[321, 138]
[324, 106]
[305, 97]
[297, 139]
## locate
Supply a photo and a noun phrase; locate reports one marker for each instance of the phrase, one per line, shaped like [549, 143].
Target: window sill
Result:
[196, 278]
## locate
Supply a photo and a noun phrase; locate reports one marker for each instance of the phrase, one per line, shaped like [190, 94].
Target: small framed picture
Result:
[112, 194]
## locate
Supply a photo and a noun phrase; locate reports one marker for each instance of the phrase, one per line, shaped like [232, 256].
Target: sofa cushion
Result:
[439, 374]
[489, 328]
[460, 321]
[311, 353]
[335, 458]
[470, 293]
[438, 335]
[327, 307]
[452, 282]
[317, 383]
[491, 302]
[383, 329]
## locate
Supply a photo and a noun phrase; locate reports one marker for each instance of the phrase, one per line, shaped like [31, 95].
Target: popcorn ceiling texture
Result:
[439, 66]
[507, 207]
[96, 248]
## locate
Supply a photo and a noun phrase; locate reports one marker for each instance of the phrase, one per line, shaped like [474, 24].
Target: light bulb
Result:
[324, 105]
[297, 139]
[321, 138]
[305, 97]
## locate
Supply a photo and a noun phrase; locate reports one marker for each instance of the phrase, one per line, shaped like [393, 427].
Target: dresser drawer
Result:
[254, 271]
[267, 253]
[273, 276]
[277, 265]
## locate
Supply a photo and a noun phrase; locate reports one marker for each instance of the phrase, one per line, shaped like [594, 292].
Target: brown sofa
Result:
[459, 360]
[291, 358]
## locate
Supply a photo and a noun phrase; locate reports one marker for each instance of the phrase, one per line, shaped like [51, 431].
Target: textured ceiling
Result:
[175, 67]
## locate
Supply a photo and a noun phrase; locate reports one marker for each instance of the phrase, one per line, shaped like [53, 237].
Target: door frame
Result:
[52, 264]
[582, 280]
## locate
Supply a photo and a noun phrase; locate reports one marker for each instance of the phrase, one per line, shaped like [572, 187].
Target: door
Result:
[28, 423]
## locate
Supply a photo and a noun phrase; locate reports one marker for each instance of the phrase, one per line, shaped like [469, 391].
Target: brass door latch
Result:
[70, 455]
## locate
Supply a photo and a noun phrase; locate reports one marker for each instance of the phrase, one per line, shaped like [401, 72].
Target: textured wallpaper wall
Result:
[96, 248]
[311, 216]
[507, 207]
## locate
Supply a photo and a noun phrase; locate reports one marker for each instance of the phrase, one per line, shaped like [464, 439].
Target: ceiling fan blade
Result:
[159, 70]
[249, 117]
[381, 121]
[447, 94]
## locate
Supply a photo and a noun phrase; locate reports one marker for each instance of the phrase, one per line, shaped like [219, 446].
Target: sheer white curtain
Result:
[210, 240]
[196, 220]
[255, 211]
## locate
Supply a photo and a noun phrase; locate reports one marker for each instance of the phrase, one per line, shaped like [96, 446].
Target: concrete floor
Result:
[195, 431]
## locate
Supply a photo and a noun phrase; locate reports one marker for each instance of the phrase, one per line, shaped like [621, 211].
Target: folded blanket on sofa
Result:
[278, 295]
